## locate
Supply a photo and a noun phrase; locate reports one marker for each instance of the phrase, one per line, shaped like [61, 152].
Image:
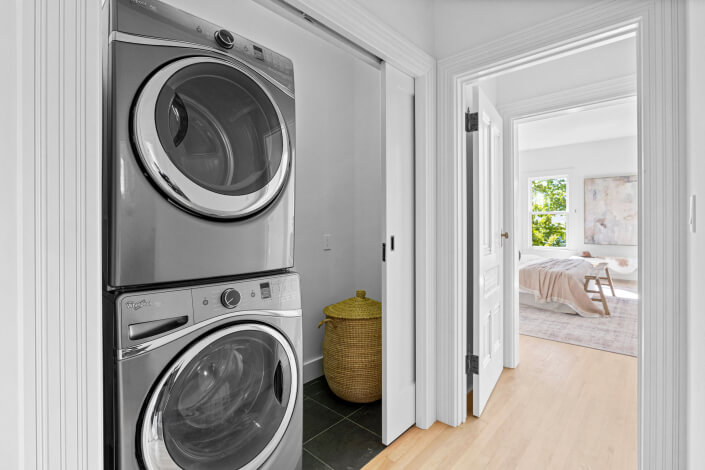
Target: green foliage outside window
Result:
[549, 203]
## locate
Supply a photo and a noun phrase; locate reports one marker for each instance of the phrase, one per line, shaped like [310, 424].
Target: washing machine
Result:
[199, 149]
[206, 377]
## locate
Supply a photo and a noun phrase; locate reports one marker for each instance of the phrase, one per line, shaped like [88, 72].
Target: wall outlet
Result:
[327, 242]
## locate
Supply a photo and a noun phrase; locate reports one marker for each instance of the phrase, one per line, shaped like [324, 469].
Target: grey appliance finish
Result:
[213, 387]
[199, 150]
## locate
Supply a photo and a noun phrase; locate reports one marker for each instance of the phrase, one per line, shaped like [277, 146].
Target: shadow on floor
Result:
[339, 435]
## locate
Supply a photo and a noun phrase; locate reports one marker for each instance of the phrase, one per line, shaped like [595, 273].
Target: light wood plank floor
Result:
[564, 407]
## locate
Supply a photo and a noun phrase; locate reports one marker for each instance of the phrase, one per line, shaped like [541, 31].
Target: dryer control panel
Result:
[146, 316]
[156, 19]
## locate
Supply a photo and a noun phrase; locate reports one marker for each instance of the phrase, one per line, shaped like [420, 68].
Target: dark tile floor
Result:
[339, 435]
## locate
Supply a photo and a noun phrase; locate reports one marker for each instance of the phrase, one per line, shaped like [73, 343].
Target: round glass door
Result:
[211, 137]
[224, 404]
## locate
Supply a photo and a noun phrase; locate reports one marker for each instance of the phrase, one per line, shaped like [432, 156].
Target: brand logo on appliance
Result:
[138, 304]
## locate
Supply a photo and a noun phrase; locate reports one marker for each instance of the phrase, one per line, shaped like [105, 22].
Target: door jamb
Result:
[662, 227]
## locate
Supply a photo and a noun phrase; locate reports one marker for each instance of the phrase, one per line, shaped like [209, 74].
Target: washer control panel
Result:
[271, 293]
[144, 316]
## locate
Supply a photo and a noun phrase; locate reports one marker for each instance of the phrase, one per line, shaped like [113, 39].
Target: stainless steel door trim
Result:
[150, 41]
[154, 451]
[140, 349]
[173, 181]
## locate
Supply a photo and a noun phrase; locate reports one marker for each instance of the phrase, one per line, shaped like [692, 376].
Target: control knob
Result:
[224, 38]
[230, 298]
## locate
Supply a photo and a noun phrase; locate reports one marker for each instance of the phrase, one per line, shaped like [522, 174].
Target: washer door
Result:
[225, 403]
[211, 137]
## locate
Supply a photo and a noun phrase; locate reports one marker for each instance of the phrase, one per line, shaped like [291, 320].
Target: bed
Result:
[557, 285]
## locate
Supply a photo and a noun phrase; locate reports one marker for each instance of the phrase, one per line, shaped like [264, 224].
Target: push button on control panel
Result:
[230, 298]
[259, 53]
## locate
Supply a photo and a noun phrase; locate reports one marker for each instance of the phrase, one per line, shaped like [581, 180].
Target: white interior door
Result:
[487, 292]
[398, 309]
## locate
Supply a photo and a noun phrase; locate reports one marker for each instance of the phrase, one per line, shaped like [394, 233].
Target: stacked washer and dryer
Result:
[202, 315]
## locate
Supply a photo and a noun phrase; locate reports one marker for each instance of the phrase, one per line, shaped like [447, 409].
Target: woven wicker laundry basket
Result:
[352, 348]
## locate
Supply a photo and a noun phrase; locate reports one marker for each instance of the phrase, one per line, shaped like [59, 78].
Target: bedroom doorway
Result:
[663, 219]
[570, 276]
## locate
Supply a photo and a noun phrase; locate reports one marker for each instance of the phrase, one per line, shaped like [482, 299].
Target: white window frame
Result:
[530, 242]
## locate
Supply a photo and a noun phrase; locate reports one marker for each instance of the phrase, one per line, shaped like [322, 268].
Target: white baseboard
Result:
[313, 368]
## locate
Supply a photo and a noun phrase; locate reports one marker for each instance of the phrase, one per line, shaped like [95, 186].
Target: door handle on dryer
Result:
[278, 383]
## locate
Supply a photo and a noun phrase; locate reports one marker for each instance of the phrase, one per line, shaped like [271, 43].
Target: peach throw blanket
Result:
[560, 280]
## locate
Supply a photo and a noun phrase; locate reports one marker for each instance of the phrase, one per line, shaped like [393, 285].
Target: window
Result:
[549, 211]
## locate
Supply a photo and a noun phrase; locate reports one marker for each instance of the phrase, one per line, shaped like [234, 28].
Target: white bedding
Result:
[556, 284]
[529, 300]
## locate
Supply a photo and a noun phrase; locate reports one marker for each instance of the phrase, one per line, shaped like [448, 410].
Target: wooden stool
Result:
[596, 276]
[608, 278]
[601, 264]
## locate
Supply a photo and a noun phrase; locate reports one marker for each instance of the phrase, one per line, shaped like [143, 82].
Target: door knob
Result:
[504, 235]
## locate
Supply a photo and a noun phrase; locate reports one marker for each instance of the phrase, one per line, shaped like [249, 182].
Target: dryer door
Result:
[225, 403]
[211, 137]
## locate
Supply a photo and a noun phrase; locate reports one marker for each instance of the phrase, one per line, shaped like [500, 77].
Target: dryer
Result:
[206, 377]
[199, 150]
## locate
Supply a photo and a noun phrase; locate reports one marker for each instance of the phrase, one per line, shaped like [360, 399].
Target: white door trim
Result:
[361, 27]
[59, 198]
[513, 113]
[608, 90]
[662, 358]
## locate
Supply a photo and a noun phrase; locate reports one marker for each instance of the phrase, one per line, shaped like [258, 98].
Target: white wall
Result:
[338, 156]
[461, 24]
[696, 248]
[368, 182]
[10, 247]
[412, 18]
[597, 65]
[578, 161]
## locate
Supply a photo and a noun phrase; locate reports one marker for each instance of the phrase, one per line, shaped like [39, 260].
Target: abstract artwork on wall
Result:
[611, 210]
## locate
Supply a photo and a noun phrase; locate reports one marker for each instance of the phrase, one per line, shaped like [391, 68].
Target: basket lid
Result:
[358, 307]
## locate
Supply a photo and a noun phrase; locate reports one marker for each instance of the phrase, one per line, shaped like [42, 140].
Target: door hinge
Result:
[472, 364]
[384, 252]
[471, 121]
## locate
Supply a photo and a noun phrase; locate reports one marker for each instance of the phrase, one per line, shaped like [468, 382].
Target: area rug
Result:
[617, 333]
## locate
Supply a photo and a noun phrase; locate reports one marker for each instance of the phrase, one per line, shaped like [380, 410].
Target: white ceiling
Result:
[580, 125]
